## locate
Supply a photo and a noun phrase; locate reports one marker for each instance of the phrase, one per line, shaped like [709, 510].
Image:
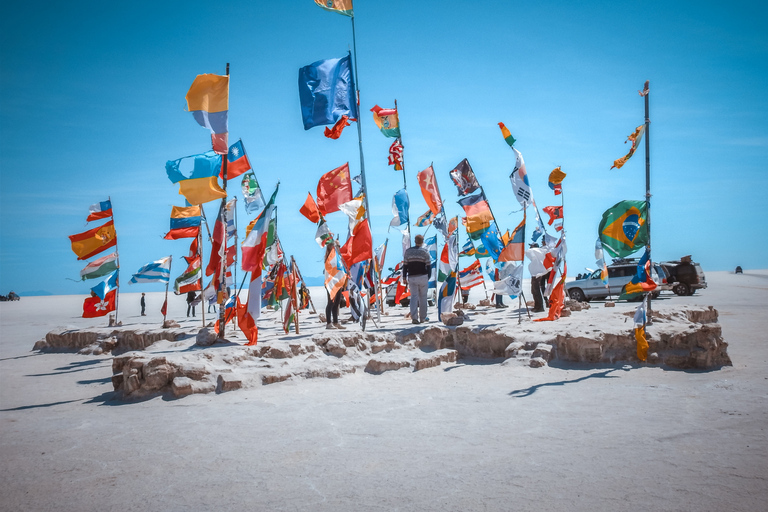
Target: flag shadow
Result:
[521, 393]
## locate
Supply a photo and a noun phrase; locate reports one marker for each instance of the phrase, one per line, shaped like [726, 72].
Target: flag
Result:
[359, 246]
[445, 297]
[189, 280]
[400, 205]
[479, 215]
[554, 212]
[333, 189]
[468, 249]
[622, 229]
[185, 222]
[510, 279]
[556, 301]
[226, 211]
[97, 306]
[428, 185]
[198, 184]
[252, 197]
[193, 251]
[340, 6]
[208, 100]
[100, 267]
[309, 210]
[492, 241]
[471, 276]
[645, 90]
[640, 339]
[519, 179]
[635, 138]
[600, 261]
[464, 178]
[380, 253]
[641, 282]
[100, 210]
[335, 132]
[323, 236]
[396, 155]
[556, 178]
[515, 248]
[507, 136]
[431, 245]
[334, 273]
[327, 92]
[425, 219]
[237, 161]
[164, 308]
[107, 285]
[255, 243]
[156, 272]
[254, 295]
[387, 121]
[92, 242]
[246, 323]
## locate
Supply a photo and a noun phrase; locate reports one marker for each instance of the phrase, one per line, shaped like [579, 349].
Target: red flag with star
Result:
[333, 189]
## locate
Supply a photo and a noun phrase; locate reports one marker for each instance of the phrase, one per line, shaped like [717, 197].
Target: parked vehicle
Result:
[685, 275]
[405, 302]
[620, 273]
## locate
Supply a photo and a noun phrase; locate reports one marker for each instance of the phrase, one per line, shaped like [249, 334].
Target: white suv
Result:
[620, 273]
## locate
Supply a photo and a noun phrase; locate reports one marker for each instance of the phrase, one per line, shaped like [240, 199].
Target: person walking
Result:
[143, 305]
[190, 303]
[416, 277]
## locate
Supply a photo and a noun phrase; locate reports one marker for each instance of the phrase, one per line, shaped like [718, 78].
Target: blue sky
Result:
[92, 105]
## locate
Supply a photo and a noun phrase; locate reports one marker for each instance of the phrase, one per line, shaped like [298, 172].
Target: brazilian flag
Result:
[623, 229]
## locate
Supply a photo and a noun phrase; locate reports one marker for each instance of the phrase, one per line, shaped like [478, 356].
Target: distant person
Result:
[143, 305]
[499, 297]
[191, 303]
[416, 277]
[738, 271]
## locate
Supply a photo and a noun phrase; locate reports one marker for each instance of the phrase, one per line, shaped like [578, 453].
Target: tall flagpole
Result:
[200, 255]
[360, 145]
[223, 249]
[166, 286]
[645, 94]
[117, 253]
[400, 138]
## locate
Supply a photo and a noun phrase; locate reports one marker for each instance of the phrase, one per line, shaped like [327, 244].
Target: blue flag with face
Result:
[327, 92]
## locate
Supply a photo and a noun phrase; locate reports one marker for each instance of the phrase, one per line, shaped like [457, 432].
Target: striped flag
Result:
[100, 210]
[156, 272]
[396, 155]
[471, 276]
[100, 267]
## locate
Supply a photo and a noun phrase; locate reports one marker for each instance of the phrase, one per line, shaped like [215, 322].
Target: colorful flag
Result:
[387, 121]
[600, 261]
[323, 236]
[510, 279]
[185, 222]
[198, 184]
[479, 216]
[468, 249]
[100, 210]
[252, 197]
[428, 185]
[515, 248]
[556, 178]
[396, 155]
[309, 209]
[335, 132]
[425, 219]
[641, 282]
[554, 212]
[92, 242]
[340, 6]
[445, 297]
[507, 136]
[190, 279]
[97, 306]
[333, 189]
[100, 267]
[359, 246]
[194, 251]
[156, 272]
[107, 285]
[255, 244]
[246, 323]
[519, 179]
[640, 339]
[622, 229]
[635, 139]
[431, 245]
[226, 212]
[400, 206]
[208, 100]
[237, 161]
[464, 178]
[492, 241]
[327, 92]
[334, 273]
[556, 300]
[471, 276]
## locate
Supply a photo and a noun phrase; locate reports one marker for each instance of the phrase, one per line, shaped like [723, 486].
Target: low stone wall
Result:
[97, 341]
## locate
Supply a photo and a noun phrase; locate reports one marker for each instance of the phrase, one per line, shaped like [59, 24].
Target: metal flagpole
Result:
[223, 249]
[400, 138]
[200, 254]
[166, 286]
[117, 253]
[645, 94]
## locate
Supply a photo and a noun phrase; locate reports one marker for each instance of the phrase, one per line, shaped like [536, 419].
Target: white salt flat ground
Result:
[470, 436]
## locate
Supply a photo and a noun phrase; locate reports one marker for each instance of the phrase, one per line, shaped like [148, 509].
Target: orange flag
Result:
[428, 184]
[309, 210]
[333, 189]
[359, 246]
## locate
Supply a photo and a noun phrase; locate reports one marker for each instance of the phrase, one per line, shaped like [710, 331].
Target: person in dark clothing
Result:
[416, 276]
[143, 305]
[190, 301]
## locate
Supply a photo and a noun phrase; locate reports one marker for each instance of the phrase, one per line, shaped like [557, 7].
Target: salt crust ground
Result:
[465, 436]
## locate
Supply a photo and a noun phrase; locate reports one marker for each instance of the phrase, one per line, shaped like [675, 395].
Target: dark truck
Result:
[685, 275]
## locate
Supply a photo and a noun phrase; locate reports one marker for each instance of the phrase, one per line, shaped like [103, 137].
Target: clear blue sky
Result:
[92, 105]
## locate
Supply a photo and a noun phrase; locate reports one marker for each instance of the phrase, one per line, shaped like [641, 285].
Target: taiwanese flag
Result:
[237, 161]
[96, 306]
[333, 189]
[359, 246]
[100, 210]
[185, 222]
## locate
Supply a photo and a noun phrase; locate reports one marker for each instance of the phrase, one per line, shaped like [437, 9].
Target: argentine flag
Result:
[156, 272]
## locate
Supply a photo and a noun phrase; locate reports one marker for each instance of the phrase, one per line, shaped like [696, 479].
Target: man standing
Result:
[143, 305]
[416, 277]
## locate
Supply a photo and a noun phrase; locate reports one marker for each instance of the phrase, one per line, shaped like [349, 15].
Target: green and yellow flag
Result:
[623, 229]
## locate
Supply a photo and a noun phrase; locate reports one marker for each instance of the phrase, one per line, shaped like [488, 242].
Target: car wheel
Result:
[681, 289]
[577, 295]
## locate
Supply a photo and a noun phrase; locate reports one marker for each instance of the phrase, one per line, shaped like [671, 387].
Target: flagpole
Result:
[223, 248]
[200, 255]
[170, 262]
[400, 138]
[295, 295]
[117, 253]
[646, 93]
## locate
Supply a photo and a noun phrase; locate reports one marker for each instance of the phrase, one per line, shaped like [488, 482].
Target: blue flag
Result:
[400, 205]
[327, 92]
[107, 285]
